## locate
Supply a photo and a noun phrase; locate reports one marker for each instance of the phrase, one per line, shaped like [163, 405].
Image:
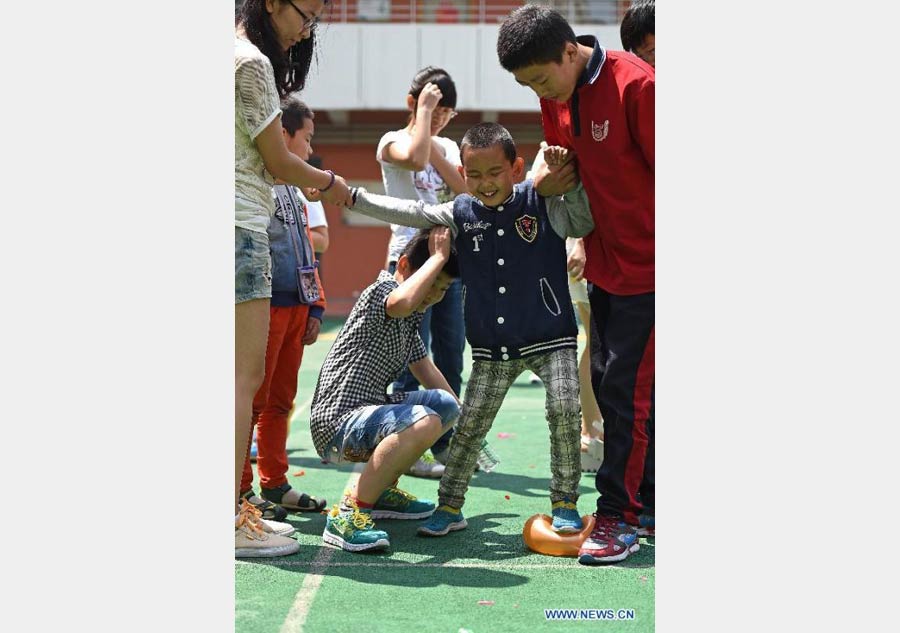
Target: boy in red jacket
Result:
[601, 104]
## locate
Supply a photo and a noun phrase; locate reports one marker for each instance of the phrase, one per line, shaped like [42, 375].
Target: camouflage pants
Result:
[485, 391]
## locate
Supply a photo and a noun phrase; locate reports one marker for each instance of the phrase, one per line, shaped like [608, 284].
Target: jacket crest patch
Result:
[527, 227]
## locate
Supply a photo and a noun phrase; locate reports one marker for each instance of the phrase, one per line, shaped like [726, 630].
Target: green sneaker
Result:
[353, 530]
[399, 504]
[446, 519]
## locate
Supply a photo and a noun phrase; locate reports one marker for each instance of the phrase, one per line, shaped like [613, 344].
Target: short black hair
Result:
[533, 35]
[441, 78]
[639, 22]
[294, 113]
[416, 252]
[487, 135]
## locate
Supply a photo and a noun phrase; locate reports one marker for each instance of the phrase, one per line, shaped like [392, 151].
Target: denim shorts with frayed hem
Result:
[252, 266]
[356, 438]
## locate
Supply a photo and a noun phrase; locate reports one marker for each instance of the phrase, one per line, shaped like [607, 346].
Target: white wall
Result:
[370, 66]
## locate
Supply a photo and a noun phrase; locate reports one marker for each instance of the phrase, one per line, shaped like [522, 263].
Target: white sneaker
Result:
[252, 538]
[590, 464]
[595, 448]
[592, 457]
[277, 527]
[426, 466]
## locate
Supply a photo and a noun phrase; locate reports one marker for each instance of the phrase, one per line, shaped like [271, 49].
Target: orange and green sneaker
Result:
[353, 529]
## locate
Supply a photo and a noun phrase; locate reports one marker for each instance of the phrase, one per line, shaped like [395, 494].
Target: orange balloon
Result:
[540, 537]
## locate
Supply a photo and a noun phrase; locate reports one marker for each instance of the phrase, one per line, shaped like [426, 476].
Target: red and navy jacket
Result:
[609, 122]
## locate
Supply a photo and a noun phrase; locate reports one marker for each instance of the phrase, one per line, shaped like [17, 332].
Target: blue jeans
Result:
[357, 438]
[443, 329]
[252, 266]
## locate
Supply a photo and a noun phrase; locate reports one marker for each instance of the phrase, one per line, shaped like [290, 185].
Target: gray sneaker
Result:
[426, 466]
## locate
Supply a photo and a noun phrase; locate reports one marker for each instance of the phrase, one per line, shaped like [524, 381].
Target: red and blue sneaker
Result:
[611, 541]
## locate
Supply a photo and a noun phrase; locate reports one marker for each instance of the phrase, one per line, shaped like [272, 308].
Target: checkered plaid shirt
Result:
[370, 352]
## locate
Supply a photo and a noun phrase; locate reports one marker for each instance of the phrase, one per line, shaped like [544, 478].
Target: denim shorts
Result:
[252, 266]
[357, 437]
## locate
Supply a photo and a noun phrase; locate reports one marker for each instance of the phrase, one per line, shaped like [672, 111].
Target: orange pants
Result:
[273, 401]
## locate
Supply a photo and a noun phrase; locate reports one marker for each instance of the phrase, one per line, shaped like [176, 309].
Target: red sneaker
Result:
[611, 541]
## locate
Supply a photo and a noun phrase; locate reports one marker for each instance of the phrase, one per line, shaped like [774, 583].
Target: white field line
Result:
[296, 617]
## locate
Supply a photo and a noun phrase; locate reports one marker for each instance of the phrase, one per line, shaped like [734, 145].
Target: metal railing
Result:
[466, 11]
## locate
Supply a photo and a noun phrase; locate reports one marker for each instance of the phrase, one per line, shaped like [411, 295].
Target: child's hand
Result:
[556, 156]
[311, 193]
[338, 194]
[439, 241]
[429, 97]
[555, 181]
[576, 261]
[312, 331]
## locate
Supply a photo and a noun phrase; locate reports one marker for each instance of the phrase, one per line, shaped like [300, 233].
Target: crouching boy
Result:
[354, 419]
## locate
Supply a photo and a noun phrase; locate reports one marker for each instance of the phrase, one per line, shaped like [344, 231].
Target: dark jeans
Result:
[623, 377]
[443, 329]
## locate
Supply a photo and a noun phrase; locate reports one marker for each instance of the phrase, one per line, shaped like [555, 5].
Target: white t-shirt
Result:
[256, 105]
[426, 185]
[316, 213]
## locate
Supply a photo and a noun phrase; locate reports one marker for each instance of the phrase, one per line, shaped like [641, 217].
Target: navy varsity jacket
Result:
[512, 263]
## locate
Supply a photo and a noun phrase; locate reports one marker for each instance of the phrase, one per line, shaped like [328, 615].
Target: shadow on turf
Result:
[315, 462]
[401, 576]
[500, 547]
[521, 484]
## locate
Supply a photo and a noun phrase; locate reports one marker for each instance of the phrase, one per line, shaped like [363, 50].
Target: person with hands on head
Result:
[417, 163]
[353, 419]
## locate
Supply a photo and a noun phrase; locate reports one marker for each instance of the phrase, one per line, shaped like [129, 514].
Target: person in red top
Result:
[601, 104]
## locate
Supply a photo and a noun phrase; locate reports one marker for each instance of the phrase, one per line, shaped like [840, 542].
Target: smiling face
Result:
[489, 174]
[293, 19]
[552, 80]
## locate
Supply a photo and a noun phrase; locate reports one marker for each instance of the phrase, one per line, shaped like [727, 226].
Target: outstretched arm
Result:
[287, 166]
[414, 213]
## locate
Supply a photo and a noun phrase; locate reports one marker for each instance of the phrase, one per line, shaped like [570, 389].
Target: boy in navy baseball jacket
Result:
[512, 257]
